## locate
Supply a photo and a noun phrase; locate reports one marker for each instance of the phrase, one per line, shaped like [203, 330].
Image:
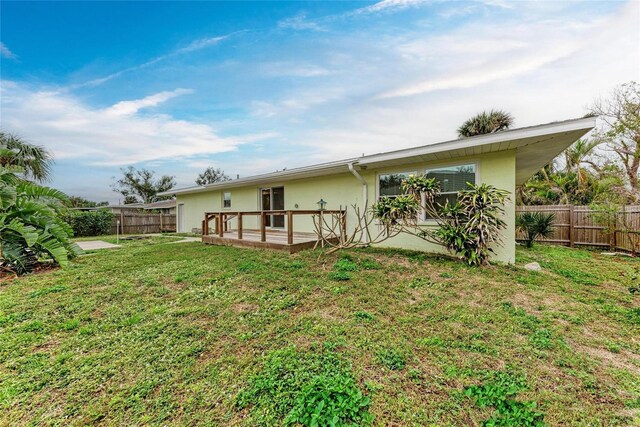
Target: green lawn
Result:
[187, 334]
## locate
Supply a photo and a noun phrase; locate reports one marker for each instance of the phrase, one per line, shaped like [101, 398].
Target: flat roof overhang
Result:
[535, 146]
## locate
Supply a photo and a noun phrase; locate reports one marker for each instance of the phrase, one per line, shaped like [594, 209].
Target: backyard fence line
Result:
[134, 223]
[577, 226]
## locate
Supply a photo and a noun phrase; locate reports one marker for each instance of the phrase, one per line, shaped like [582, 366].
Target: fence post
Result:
[263, 224]
[239, 225]
[121, 223]
[290, 227]
[571, 227]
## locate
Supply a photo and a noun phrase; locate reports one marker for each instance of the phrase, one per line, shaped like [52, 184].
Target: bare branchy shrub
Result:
[468, 228]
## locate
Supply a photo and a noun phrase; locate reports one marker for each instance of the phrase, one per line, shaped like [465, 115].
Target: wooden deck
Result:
[284, 239]
[275, 239]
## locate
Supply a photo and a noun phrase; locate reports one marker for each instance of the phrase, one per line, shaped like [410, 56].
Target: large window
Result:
[452, 179]
[226, 200]
[389, 185]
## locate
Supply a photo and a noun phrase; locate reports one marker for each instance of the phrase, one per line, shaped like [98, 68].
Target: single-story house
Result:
[503, 159]
[165, 207]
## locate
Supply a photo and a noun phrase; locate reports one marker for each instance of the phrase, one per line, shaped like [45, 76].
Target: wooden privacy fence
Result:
[577, 226]
[135, 223]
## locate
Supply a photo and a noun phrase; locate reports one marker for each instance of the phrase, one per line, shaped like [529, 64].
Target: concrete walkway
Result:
[90, 245]
[187, 240]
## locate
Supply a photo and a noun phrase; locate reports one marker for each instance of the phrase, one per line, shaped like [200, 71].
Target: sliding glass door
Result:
[272, 199]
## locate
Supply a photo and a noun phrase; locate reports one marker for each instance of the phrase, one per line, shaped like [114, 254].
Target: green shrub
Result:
[91, 223]
[31, 224]
[534, 225]
[470, 226]
[305, 388]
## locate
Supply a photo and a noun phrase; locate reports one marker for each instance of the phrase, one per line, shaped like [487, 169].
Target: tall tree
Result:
[34, 160]
[211, 175]
[483, 123]
[142, 186]
[621, 131]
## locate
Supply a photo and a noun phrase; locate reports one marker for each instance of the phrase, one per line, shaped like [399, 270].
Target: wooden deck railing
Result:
[222, 219]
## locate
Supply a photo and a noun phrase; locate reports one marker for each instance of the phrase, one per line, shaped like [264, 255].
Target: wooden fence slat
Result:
[575, 225]
[133, 223]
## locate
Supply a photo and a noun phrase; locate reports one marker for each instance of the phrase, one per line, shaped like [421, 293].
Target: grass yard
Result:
[187, 334]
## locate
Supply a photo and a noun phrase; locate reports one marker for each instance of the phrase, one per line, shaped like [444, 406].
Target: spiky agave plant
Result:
[484, 123]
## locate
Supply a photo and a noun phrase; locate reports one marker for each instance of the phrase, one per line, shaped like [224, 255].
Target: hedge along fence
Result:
[90, 223]
[577, 226]
[143, 223]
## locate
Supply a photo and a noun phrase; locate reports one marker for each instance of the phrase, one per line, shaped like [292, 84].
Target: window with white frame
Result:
[390, 185]
[452, 179]
[226, 200]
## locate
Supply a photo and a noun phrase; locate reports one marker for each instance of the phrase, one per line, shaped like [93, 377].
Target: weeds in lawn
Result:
[339, 276]
[392, 359]
[364, 316]
[345, 264]
[498, 391]
[315, 388]
[541, 339]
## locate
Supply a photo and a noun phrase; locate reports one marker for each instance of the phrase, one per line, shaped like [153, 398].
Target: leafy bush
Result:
[534, 225]
[309, 389]
[31, 224]
[91, 223]
[470, 226]
[499, 391]
[397, 210]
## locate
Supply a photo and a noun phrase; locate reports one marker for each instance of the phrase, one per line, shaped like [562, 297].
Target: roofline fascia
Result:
[474, 141]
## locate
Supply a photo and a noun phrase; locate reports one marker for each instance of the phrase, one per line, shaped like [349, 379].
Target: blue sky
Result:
[254, 87]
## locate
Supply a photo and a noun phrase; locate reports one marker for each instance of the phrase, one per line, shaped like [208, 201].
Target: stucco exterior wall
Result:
[344, 190]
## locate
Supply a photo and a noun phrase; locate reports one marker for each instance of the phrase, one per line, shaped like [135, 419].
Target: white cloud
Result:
[116, 135]
[5, 52]
[191, 47]
[300, 22]
[293, 69]
[124, 108]
[479, 54]
[387, 5]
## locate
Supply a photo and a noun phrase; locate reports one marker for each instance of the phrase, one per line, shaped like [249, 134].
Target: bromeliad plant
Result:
[31, 224]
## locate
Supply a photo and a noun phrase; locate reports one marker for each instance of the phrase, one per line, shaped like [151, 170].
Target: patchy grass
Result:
[189, 334]
[148, 240]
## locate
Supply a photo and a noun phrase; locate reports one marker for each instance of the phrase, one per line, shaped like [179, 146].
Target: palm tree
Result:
[34, 160]
[577, 155]
[483, 123]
